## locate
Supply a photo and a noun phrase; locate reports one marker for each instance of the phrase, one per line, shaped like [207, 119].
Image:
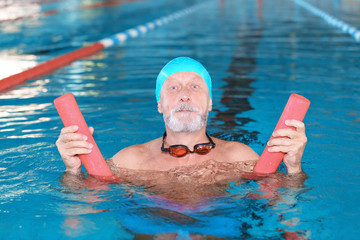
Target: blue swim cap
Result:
[181, 64]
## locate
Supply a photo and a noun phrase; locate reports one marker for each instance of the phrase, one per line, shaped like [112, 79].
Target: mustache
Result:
[186, 107]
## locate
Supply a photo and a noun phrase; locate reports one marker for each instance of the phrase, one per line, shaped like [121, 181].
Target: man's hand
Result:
[70, 144]
[292, 143]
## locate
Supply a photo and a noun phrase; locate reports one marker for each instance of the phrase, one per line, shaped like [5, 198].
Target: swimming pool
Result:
[257, 55]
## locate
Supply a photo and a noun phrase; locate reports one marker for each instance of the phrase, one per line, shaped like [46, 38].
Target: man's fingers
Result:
[300, 126]
[77, 151]
[67, 133]
[68, 137]
[78, 144]
[91, 129]
[280, 141]
[284, 149]
[285, 133]
[70, 129]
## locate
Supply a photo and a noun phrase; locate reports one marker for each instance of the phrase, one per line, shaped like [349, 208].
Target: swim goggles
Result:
[182, 150]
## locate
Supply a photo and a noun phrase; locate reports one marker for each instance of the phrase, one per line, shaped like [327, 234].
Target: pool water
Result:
[257, 52]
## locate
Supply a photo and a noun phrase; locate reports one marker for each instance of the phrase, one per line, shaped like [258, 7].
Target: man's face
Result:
[184, 102]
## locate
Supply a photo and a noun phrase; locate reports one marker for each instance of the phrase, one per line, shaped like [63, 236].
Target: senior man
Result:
[183, 92]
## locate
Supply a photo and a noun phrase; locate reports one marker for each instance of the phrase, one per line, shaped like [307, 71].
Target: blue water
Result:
[257, 52]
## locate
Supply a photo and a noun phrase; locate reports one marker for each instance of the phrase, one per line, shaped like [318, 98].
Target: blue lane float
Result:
[343, 26]
[139, 30]
[117, 39]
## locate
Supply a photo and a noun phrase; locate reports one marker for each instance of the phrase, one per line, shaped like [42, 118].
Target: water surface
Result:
[257, 52]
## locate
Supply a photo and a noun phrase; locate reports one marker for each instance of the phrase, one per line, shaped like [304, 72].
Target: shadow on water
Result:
[237, 90]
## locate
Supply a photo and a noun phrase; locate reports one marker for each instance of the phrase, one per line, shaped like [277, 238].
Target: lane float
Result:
[343, 26]
[49, 66]
[295, 109]
[117, 39]
[70, 114]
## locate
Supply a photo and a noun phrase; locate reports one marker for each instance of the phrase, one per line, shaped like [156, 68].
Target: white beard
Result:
[186, 125]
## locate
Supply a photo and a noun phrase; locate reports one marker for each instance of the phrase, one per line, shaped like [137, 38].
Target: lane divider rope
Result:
[343, 26]
[117, 39]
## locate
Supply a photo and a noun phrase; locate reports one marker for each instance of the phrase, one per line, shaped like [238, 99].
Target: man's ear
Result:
[159, 107]
[210, 106]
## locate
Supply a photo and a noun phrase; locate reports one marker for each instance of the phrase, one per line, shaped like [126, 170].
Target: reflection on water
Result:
[237, 90]
[153, 200]
[21, 121]
[12, 64]
[17, 11]
[33, 89]
[21, 110]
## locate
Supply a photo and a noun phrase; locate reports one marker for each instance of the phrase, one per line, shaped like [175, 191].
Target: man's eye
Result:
[173, 87]
[195, 86]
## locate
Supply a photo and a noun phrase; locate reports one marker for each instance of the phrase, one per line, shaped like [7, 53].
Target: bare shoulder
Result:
[133, 157]
[236, 151]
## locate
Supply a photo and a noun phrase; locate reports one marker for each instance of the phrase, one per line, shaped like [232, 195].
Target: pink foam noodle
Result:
[70, 114]
[295, 109]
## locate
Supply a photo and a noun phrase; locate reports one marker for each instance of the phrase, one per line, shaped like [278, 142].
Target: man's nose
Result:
[185, 95]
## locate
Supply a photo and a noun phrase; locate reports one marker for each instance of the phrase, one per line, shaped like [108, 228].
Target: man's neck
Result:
[188, 139]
